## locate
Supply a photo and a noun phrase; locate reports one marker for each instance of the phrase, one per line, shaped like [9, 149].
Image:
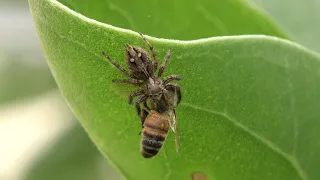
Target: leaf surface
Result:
[249, 109]
[299, 17]
[179, 19]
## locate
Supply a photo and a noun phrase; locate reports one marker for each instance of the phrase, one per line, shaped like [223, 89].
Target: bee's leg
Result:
[164, 63]
[145, 112]
[171, 78]
[143, 115]
[155, 58]
[174, 88]
[134, 94]
[146, 107]
[116, 64]
[128, 81]
[138, 102]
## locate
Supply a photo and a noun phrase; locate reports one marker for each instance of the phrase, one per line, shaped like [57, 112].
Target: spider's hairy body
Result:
[162, 95]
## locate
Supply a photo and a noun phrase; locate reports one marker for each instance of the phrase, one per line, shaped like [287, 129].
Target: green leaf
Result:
[179, 19]
[300, 17]
[72, 156]
[249, 108]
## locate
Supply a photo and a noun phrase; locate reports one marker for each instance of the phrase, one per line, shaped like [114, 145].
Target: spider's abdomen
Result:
[139, 63]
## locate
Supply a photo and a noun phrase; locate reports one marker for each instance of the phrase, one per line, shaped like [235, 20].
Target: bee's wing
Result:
[174, 126]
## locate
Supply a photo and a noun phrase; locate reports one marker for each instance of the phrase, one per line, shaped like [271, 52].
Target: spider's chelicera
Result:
[142, 73]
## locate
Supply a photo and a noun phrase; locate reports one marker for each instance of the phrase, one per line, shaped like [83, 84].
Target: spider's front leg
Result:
[164, 63]
[155, 58]
[116, 64]
[134, 94]
[171, 78]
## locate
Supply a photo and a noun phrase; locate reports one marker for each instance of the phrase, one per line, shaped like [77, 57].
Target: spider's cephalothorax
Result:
[142, 73]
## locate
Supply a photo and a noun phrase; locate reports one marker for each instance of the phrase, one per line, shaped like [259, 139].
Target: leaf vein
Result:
[124, 13]
[213, 19]
[269, 144]
[292, 108]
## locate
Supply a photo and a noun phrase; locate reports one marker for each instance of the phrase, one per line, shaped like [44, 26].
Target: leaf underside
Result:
[249, 108]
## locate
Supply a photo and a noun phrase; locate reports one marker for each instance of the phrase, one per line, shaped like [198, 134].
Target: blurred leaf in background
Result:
[23, 69]
[183, 20]
[21, 79]
[24, 79]
[300, 17]
[72, 156]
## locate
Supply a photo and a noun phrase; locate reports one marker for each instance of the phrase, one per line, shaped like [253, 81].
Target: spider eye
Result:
[131, 60]
[139, 54]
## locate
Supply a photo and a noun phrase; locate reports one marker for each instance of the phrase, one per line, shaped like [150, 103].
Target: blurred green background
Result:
[40, 137]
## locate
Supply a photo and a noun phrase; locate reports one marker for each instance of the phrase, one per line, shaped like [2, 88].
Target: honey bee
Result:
[162, 95]
[154, 133]
[156, 126]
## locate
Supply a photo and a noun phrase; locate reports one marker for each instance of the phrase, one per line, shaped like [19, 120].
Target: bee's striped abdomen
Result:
[154, 133]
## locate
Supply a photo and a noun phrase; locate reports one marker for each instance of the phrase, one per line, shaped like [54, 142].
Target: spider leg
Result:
[171, 78]
[134, 94]
[164, 63]
[116, 64]
[155, 58]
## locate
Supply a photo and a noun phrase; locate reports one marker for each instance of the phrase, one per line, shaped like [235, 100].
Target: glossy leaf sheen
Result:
[249, 109]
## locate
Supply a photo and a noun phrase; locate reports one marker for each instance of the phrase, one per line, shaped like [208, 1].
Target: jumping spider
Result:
[142, 73]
